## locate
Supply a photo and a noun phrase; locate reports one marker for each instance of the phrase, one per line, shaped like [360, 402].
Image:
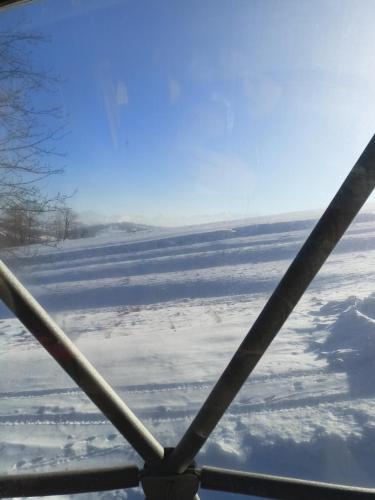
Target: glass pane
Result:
[161, 163]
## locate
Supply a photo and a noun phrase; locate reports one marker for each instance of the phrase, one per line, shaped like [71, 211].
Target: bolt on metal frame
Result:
[171, 474]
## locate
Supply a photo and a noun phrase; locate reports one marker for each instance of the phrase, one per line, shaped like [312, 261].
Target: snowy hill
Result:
[161, 312]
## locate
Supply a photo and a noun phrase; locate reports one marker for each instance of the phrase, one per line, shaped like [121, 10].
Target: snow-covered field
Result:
[160, 314]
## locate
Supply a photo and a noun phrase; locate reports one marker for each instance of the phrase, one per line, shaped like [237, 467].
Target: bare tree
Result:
[28, 133]
[70, 219]
[64, 224]
[21, 224]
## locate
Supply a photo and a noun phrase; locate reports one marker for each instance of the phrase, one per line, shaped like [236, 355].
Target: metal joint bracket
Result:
[159, 483]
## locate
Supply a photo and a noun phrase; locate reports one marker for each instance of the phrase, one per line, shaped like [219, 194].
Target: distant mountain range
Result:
[89, 230]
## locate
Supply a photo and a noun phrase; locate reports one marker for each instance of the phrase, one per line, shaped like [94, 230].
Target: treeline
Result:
[29, 133]
[43, 222]
[32, 126]
[29, 223]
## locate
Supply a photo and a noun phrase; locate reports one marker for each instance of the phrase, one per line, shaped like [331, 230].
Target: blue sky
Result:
[181, 112]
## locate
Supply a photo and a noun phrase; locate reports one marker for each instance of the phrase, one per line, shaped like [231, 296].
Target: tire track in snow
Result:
[64, 460]
[78, 418]
[156, 388]
[259, 408]
[171, 415]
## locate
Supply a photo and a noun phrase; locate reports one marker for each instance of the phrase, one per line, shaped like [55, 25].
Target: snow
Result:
[160, 314]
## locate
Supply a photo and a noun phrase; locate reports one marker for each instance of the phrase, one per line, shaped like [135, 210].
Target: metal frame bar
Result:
[69, 482]
[264, 485]
[328, 231]
[60, 347]
[332, 225]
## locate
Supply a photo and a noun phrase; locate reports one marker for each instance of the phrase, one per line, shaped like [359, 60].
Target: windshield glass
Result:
[161, 164]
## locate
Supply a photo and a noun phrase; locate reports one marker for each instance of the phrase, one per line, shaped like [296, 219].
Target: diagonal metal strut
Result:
[328, 231]
[60, 347]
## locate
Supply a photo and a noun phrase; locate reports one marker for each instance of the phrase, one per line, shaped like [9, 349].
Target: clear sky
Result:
[189, 111]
